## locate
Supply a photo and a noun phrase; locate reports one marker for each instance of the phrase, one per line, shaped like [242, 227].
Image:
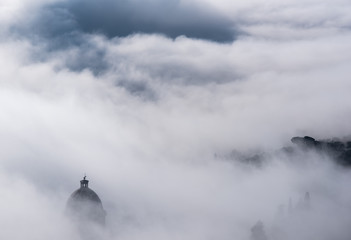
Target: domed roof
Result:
[85, 194]
[85, 204]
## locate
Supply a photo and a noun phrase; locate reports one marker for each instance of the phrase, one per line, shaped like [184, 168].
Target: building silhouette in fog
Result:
[258, 232]
[85, 206]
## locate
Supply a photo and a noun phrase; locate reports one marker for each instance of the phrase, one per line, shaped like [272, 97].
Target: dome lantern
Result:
[84, 182]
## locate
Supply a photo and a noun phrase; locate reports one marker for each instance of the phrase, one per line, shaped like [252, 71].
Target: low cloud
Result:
[146, 116]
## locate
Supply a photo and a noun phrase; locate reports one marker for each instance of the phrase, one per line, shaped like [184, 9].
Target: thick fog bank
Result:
[150, 99]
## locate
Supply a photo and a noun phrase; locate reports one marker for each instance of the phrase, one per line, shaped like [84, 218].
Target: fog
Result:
[149, 110]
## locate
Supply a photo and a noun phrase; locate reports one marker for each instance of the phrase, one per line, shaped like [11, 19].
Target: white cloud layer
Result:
[144, 116]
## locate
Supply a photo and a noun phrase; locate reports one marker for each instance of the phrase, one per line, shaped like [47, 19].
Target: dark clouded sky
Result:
[119, 18]
[142, 95]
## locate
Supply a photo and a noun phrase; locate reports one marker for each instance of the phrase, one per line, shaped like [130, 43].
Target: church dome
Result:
[85, 205]
[84, 194]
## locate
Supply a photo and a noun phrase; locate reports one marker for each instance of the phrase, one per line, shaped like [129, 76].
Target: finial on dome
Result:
[84, 182]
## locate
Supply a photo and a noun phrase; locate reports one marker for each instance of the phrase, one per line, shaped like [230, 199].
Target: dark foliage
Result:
[337, 149]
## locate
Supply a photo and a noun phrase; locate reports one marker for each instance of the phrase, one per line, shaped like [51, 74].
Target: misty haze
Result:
[175, 120]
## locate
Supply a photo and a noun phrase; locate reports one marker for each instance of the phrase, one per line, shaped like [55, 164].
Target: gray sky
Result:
[141, 95]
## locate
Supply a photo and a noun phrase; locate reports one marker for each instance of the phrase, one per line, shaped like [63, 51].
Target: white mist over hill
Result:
[145, 109]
